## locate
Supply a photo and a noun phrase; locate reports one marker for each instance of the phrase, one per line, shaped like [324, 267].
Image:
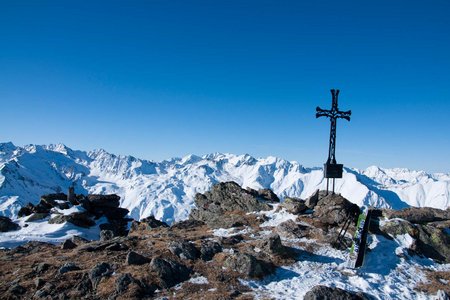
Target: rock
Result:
[115, 213]
[49, 200]
[111, 200]
[231, 240]
[37, 216]
[268, 195]
[247, 265]
[152, 222]
[68, 267]
[320, 292]
[134, 258]
[7, 225]
[39, 282]
[81, 219]
[294, 205]
[17, 289]
[312, 200]
[184, 250]
[41, 268]
[429, 241]
[169, 272]
[118, 227]
[106, 235]
[98, 272]
[272, 245]
[40, 208]
[79, 240]
[84, 286]
[117, 247]
[209, 248]
[225, 197]
[188, 224]
[291, 230]
[418, 215]
[123, 281]
[68, 244]
[333, 210]
[25, 210]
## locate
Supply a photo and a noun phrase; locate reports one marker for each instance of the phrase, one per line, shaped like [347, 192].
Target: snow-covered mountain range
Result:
[166, 189]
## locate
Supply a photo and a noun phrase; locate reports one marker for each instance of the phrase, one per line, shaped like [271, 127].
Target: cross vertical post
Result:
[331, 168]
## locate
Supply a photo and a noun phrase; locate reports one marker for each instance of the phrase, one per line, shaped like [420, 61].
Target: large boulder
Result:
[224, 205]
[169, 271]
[134, 258]
[184, 250]
[111, 200]
[247, 265]
[26, 210]
[333, 210]
[272, 245]
[429, 241]
[291, 230]
[7, 225]
[321, 292]
[50, 200]
[294, 205]
[419, 215]
[81, 219]
[209, 248]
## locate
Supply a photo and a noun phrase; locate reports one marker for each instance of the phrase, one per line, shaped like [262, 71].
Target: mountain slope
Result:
[166, 189]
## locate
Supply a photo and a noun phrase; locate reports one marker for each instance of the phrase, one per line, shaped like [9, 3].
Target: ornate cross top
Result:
[331, 168]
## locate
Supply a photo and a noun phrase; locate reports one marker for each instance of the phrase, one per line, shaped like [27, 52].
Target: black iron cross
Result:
[331, 168]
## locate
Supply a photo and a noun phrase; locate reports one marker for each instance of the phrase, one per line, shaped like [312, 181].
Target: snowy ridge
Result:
[166, 189]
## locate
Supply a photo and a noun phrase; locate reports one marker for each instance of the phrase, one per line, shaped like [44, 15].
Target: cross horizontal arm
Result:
[344, 114]
[322, 112]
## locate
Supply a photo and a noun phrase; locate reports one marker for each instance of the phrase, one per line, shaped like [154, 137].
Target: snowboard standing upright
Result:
[358, 248]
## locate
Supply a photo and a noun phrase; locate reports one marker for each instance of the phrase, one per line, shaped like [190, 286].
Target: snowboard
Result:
[357, 251]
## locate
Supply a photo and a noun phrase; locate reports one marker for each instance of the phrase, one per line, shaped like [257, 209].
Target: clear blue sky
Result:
[157, 79]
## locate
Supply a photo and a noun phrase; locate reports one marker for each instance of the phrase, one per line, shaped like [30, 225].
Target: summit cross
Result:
[331, 168]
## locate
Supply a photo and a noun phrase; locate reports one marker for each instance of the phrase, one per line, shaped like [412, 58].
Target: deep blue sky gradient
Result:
[158, 79]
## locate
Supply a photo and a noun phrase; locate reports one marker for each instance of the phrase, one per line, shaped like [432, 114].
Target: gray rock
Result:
[41, 268]
[36, 217]
[134, 258]
[117, 247]
[81, 219]
[312, 200]
[429, 241]
[152, 222]
[209, 248]
[333, 210]
[104, 200]
[268, 195]
[272, 245]
[184, 250]
[123, 281]
[84, 286]
[25, 210]
[17, 289]
[291, 230]
[39, 282]
[7, 225]
[169, 272]
[419, 215]
[223, 201]
[98, 272]
[68, 244]
[106, 235]
[321, 292]
[68, 267]
[247, 265]
[294, 205]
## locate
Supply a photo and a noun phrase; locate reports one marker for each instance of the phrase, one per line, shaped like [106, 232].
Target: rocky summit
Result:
[237, 244]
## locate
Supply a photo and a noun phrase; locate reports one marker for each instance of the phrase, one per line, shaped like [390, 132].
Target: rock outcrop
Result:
[225, 204]
[7, 225]
[333, 210]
